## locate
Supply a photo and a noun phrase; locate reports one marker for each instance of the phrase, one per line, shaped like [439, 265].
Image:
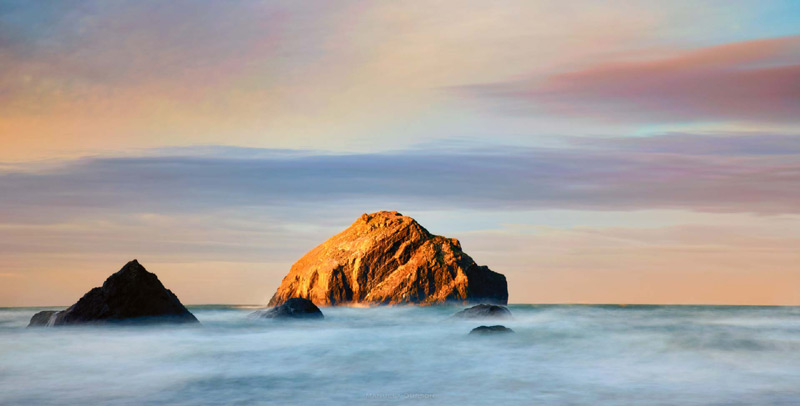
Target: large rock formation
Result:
[388, 258]
[294, 308]
[130, 295]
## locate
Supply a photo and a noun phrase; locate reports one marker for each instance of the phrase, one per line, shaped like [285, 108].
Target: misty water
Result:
[559, 355]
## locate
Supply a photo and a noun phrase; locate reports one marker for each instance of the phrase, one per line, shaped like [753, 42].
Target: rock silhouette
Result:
[294, 308]
[490, 330]
[388, 258]
[484, 311]
[130, 295]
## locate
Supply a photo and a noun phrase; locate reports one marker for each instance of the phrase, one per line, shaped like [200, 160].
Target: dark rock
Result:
[487, 330]
[132, 295]
[42, 319]
[294, 308]
[388, 258]
[484, 311]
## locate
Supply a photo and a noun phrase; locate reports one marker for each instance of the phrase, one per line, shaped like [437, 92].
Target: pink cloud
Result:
[744, 81]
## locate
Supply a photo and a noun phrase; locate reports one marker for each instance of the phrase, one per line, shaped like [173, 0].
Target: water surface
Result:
[560, 355]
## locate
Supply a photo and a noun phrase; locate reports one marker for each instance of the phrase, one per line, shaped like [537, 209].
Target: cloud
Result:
[744, 81]
[81, 76]
[698, 144]
[205, 217]
[611, 174]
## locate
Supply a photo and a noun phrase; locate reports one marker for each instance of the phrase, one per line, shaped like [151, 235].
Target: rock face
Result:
[388, 258]
[489, 330]
[484, 311]
[130, 295]
[294, 308]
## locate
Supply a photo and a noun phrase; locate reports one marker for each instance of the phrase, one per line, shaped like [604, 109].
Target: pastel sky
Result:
[593, 152]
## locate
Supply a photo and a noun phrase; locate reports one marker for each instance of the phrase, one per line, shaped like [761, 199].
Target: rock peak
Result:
[381, 214]
[387, 258]
[131, 267]
[133, 274]
[384, 217]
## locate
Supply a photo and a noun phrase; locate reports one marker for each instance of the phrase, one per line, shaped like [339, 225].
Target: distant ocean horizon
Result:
[251, 305]
[559, 354]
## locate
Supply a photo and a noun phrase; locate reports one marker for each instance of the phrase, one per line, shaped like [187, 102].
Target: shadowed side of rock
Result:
[388, 258]
[131, 295]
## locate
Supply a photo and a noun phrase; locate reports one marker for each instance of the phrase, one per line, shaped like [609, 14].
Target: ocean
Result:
[559, 355]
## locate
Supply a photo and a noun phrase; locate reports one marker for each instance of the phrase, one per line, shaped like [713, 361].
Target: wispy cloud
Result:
[742, 144]
[81, 76]
[723, 175]
[744, 81]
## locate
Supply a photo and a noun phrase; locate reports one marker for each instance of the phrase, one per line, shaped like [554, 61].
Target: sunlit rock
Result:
[388, 258]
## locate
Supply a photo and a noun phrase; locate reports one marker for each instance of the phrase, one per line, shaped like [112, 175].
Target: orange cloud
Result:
[745, 81]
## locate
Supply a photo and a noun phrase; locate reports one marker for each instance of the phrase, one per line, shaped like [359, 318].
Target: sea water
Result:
[559, 355]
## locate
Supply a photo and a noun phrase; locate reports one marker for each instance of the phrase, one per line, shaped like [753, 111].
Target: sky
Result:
[593, 152]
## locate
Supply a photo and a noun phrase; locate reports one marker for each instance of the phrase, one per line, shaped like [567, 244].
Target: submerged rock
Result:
[294, 308]
[388, 258]
[130, 295]
[484, 311]
[486, 330]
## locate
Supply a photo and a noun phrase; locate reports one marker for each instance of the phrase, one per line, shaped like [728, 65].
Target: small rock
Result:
[487, 330]
[484, 311]
[42, 319]
[294, 308]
